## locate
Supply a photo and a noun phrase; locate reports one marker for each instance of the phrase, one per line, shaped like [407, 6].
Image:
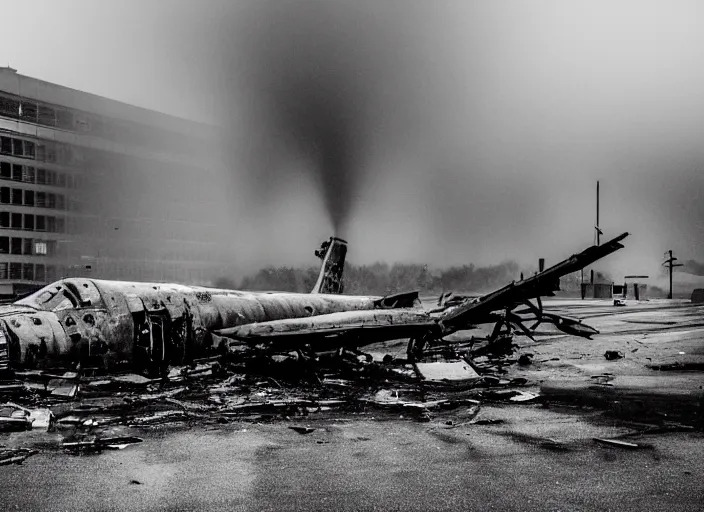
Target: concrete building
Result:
[94, 187]
[635, 287]
[598, 287]
[597, 290]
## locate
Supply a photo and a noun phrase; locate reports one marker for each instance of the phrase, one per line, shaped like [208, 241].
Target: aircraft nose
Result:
[25, 343]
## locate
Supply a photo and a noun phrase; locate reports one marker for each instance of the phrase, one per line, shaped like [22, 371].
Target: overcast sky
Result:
[472, 131]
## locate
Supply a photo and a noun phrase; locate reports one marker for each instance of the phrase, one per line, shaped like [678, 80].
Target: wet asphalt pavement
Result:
[540, 459]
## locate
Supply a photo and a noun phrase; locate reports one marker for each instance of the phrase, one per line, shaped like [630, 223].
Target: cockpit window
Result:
[65, 294]
[49, 294]
[86, 292]
[54, 297]
[66, 302]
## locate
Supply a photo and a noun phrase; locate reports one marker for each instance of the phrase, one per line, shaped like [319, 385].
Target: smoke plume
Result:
[692, 267]
[314, 84]
[445, 132]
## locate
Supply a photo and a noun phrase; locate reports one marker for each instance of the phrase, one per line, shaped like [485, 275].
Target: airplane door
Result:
[142, 354]
[151, 352]
[158, 341]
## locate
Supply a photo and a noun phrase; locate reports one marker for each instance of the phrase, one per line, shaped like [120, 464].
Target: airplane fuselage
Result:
[145, 325]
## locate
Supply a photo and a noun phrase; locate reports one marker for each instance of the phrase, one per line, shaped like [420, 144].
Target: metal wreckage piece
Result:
[147, 327]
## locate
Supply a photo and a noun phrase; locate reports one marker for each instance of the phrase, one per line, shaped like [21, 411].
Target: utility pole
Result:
[598, 231]
[670, 262]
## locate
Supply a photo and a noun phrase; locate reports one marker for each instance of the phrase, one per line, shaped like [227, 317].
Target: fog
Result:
[438, 132]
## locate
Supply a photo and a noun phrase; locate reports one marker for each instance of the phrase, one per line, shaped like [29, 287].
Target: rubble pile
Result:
[93, 412]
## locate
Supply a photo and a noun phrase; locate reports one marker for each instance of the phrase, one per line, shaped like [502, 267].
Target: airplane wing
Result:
[375, 325]
[542, 284]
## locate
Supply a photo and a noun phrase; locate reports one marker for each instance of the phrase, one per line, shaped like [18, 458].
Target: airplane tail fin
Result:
[333, 253]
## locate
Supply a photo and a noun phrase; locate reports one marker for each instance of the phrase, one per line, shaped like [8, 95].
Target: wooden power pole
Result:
[670, 262]
[598, 231]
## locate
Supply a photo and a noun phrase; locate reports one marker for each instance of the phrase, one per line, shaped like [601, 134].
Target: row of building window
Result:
[17, 147]
[27, 246]
[39, 113]
[27, 272]
[45, 151]
[30, 222]
[32, 111]
[40, 176]
[20, 197]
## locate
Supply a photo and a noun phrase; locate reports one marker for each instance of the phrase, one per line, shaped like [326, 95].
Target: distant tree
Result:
[382, 278]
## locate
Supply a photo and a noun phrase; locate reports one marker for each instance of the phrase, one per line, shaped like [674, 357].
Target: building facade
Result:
[94, 187]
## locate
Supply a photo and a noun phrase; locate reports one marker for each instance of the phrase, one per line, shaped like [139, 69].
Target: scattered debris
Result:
[302, 430]
[42, 418]
[159, 417]
[130, 378]
[14, 418]
[467, 416]
[446, 372]
[667, 427]
[63, 390]
[93, 443]
[12, 389]
[119, 443]
[678, 366]
[501, 394]
[617, 443]
[489, 422]
[525, 359]
[165, 394]
[524, 396]
[15, 456]
[502, 346]
[491, 380]
[177, 374]
[337, 383]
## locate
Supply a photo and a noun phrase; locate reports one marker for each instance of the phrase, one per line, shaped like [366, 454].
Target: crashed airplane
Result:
[147, 327]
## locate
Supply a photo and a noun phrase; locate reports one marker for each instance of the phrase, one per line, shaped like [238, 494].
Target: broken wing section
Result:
[480, 310]
[334, 330]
